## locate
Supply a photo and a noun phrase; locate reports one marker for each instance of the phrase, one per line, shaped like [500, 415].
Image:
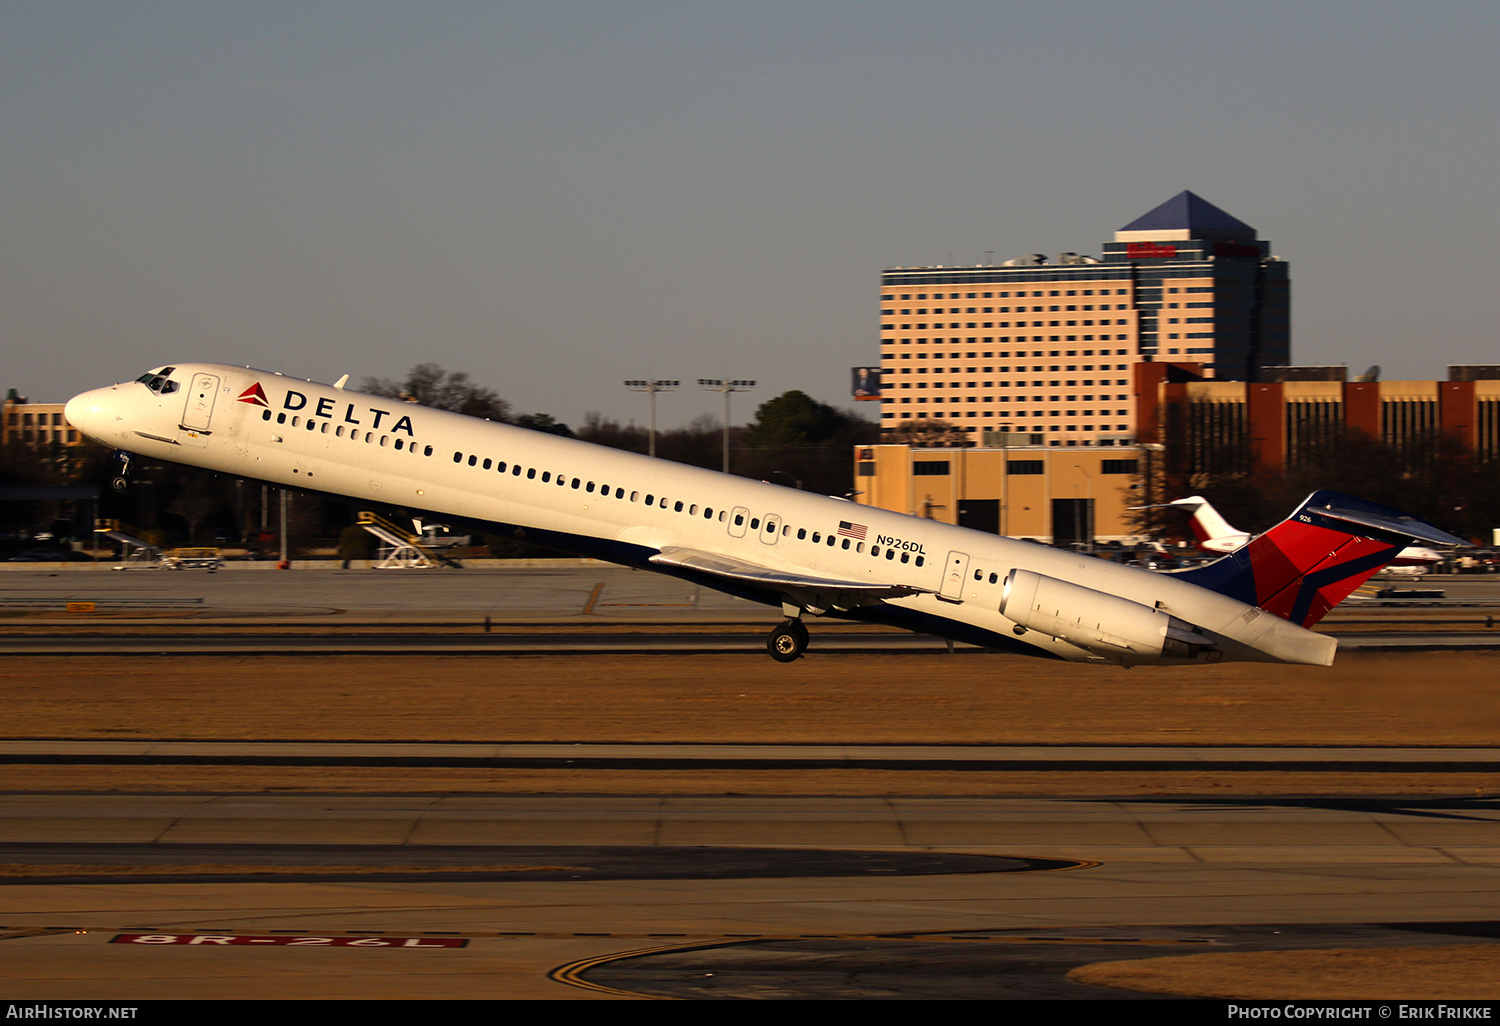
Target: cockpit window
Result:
[158, 381]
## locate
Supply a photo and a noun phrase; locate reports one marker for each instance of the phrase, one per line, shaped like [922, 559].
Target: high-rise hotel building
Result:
[1045, 349]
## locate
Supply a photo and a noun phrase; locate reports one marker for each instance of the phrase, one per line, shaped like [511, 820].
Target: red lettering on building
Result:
[1149, 251]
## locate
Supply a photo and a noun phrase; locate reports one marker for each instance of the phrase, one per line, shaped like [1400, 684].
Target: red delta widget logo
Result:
[255, 396]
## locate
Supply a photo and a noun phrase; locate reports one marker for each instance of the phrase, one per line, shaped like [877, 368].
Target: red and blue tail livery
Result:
[1313, 560]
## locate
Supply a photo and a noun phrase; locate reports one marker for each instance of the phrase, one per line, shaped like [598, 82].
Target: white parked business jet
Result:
[807, 554]
[1214, 534]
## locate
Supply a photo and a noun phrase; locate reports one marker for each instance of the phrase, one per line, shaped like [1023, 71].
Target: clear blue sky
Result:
[555, 196]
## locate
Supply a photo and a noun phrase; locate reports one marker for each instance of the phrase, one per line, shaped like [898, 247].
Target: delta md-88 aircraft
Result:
[806, 553]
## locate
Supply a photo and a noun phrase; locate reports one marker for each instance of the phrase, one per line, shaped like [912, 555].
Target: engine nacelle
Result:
[1113, 628]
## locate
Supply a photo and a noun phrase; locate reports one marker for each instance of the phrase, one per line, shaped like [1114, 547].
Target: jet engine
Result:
[1114, 629]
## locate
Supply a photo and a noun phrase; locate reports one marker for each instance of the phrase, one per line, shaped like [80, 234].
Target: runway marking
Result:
[588, 606]
[241, 940]
[571, 973]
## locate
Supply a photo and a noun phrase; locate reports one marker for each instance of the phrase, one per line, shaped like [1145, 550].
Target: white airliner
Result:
[806, 553]
[1214, 534]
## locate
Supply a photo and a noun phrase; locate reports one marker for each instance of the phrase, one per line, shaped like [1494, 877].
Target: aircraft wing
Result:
[818, 594]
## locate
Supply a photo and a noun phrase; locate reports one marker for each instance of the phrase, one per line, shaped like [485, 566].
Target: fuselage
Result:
[627, 508]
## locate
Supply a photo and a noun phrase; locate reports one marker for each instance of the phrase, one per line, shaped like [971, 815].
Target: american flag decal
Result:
[856, 531]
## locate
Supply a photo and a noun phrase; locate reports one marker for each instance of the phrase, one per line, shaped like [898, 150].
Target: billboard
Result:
[865, 383]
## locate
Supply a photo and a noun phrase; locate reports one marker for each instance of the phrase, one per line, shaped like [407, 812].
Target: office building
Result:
[35, 425]
[1046, 349]
[1235, 427]
[1047, 494]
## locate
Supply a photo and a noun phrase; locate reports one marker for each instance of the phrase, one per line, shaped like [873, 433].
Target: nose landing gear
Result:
[122, 481]
[788, 641]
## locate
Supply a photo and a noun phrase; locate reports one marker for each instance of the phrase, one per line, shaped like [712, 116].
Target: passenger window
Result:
[650, 500]
[905, 558]
[473, 460]
[890, 553]
[577, 483]
[994, 578]
[427, 451]
[281, 418]
[677, 508]
[531, 474]
[846, 542]
[486, 463]
[739, 520]
[755, 523]
[458, 457]
[919, 561]
[265, 414]
[500, 466]
[590, 488]
[399, 444]
[546, 476]
[801, 533]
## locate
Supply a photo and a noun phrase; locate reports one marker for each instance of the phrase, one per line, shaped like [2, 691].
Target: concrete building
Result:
[1047, 349]
[34, 425]
[1046, 493]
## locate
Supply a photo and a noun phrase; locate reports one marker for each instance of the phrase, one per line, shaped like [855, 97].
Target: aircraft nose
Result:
[76, 412]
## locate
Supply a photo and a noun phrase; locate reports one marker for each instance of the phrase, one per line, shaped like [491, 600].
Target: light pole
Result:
[726, 386]
[651, 387]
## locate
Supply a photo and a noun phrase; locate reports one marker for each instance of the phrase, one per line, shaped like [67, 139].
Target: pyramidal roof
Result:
[1187, 215]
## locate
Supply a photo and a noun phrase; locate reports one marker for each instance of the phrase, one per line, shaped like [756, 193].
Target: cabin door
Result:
[197, 415]
[953, 577]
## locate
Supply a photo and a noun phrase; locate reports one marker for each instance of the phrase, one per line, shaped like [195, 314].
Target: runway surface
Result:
[1121, 879]
[414, 895]
[571, 606]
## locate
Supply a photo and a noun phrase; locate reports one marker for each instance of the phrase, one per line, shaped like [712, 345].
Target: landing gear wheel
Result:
[122, 482]
[787, 642]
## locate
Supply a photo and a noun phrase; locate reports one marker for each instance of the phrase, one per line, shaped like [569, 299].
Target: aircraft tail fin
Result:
[1313, 560]
[1206, 523]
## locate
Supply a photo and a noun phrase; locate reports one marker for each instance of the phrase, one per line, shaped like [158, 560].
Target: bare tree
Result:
[430, 385]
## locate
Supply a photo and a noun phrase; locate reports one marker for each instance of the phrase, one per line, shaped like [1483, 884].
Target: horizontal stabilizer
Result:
[1399, 523]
